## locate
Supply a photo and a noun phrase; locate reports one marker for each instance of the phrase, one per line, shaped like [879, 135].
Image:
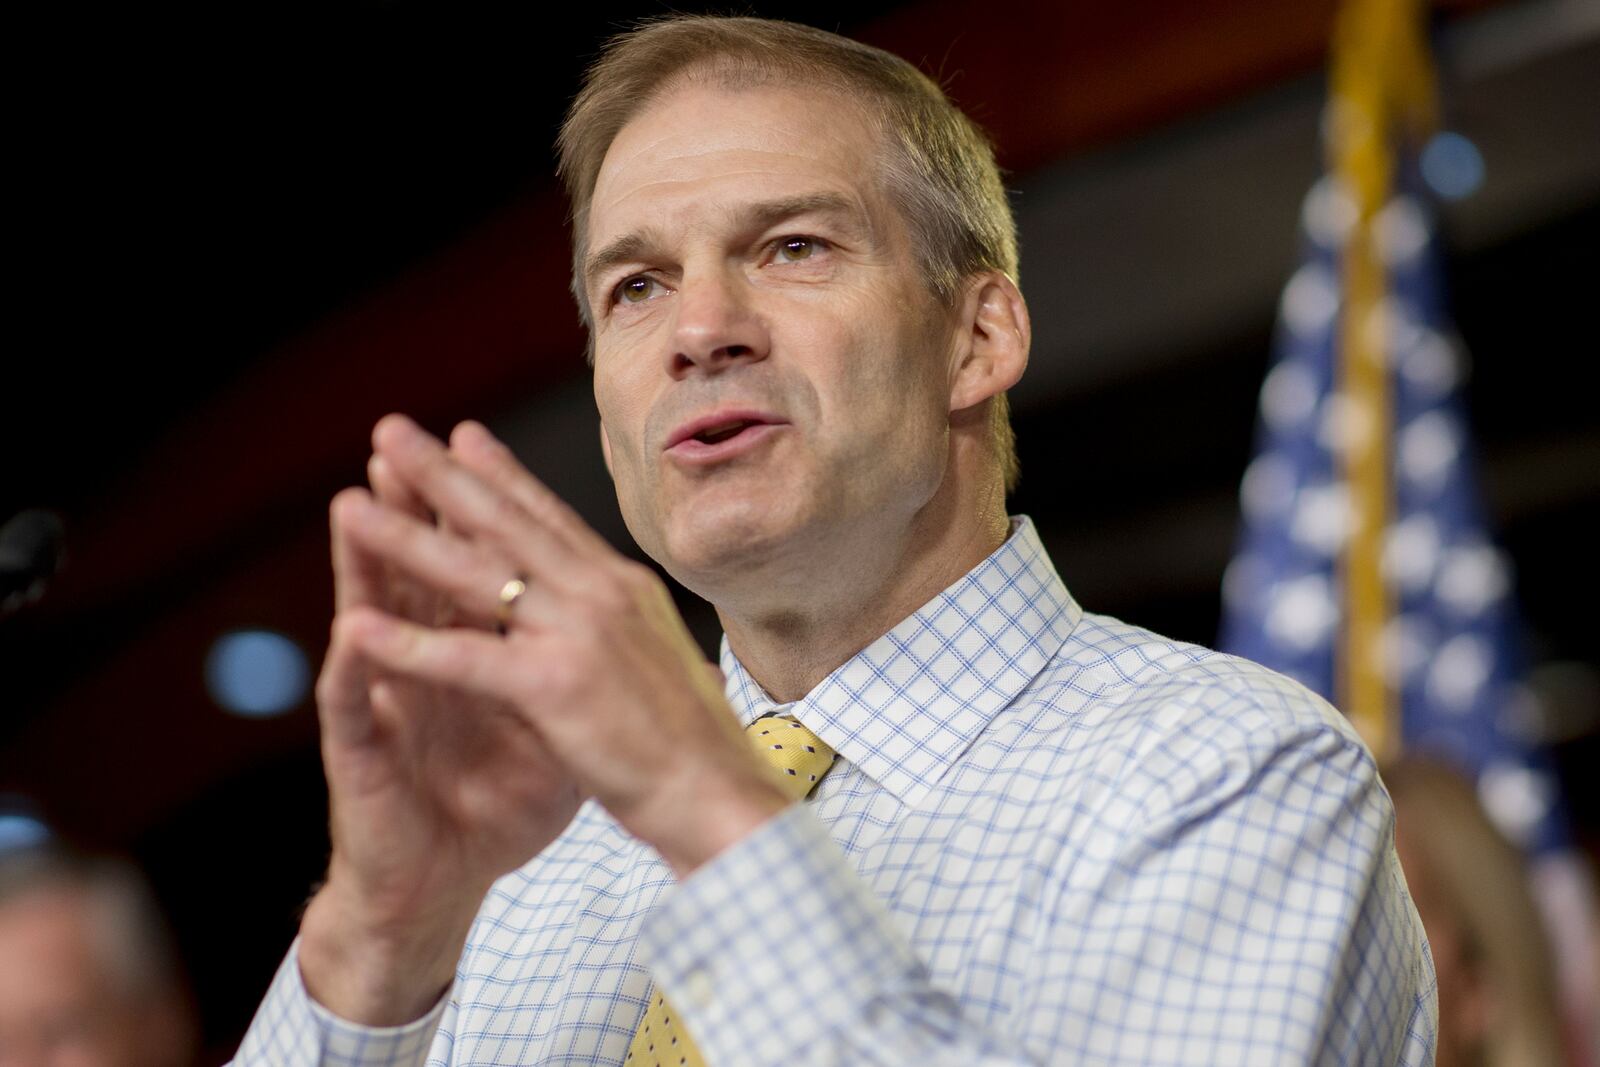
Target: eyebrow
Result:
[759, 216]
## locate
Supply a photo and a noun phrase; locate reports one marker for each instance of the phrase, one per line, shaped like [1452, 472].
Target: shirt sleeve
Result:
[292, 1030]
[776, 952]
[1244, 906]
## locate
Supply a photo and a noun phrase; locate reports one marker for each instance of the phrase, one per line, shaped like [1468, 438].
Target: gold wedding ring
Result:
[510, 593]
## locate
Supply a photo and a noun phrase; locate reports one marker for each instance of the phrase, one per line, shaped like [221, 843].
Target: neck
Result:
[790, 648]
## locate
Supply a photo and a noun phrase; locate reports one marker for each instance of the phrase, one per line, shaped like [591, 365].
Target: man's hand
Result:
[454, 753]
[596, 661]
[433, 794]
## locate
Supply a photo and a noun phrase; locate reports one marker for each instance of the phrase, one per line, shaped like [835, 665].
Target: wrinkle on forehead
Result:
[664, 188]
[823, 139]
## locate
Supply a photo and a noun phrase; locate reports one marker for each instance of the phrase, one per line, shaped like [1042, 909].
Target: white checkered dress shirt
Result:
[1050, 837]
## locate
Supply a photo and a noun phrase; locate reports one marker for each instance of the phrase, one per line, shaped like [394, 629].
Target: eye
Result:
[794, 249]
[634, 290]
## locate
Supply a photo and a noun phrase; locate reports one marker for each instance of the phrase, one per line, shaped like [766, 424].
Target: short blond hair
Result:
[940, 169]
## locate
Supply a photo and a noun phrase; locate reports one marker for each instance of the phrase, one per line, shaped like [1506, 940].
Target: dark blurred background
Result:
[243, 233]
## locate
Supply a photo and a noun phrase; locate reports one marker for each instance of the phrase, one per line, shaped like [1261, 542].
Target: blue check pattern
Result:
[1050, 837]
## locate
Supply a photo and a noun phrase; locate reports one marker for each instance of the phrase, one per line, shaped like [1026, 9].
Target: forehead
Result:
[47, 924]
[700, 151]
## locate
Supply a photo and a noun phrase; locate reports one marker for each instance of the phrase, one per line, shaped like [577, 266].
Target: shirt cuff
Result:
[776, 927]
[291, 1028]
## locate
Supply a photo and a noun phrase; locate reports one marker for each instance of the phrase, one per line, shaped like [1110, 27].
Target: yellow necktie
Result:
[800, 759]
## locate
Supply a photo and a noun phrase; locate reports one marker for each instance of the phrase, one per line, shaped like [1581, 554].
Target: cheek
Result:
[887, 410]
[623, 397]
[622, 412]
[900, 370]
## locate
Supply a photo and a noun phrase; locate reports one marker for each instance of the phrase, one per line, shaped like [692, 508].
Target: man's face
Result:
[59, 1005]
[770, 369]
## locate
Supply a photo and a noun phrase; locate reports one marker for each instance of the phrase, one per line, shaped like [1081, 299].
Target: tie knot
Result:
[800, 757]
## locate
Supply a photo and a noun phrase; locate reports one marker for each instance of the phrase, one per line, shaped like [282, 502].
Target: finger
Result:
[358, 576]
[468, 575]
[406, 598]
[391, 711]
[465, 660]
[469, 502]
[390, 488]
[489, 458]
[342, 687]
[719, 680]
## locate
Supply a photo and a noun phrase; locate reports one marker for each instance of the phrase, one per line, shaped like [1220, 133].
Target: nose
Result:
[717, 324]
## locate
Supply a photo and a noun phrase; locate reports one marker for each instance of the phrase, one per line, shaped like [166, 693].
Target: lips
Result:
[720, 435]
[719, 426]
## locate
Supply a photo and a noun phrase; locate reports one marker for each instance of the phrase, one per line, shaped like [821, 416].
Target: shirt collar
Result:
[904, 708]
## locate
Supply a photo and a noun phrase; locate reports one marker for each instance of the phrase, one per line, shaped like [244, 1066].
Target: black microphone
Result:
[32, 545]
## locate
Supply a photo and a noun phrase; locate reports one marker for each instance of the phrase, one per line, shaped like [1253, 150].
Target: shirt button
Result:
[697, 988]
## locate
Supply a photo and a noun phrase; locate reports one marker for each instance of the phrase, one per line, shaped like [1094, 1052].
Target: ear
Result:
[605, 450]
[993, 338]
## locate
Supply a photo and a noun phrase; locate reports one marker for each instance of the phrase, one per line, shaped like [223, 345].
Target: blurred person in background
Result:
[88, 975]
[1497, 988]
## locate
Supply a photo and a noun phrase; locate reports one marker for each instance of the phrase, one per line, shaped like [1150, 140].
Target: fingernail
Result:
[358, 507]
[478, 435]
[398, 428]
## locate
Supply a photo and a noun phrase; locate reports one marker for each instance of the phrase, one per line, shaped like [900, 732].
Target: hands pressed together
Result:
[455, 753]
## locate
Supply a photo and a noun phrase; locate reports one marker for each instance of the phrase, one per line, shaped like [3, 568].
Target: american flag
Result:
[1448, 639]
[1366, 568]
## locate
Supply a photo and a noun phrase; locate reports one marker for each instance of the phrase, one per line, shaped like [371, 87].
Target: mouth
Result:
[720, 435]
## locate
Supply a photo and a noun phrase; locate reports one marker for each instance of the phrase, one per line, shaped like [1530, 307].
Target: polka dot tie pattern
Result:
[800, 759]
[799, 756]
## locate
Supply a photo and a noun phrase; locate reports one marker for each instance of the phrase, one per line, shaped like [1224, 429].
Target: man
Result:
[88, 977]
[1048, 837]
[1499, 1002]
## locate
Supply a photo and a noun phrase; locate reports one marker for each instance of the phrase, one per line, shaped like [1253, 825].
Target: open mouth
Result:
[716, 434]
[720, 435]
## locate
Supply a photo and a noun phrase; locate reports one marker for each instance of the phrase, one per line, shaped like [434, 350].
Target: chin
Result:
[712, 540]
